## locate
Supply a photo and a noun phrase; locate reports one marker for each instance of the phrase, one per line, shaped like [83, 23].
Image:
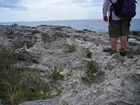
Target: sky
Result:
[45, 10]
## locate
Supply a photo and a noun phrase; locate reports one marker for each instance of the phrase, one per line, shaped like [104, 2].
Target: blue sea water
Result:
[97, 25]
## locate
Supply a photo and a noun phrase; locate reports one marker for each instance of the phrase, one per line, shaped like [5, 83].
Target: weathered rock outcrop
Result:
[135, 33]
[117, 81]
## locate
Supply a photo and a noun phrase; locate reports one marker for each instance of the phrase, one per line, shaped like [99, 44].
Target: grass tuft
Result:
[58, 34]
[132, 43]
[55, 74]
[131, 52]
[33, 31]
[17, 86]
[92, 69]
[70, 48]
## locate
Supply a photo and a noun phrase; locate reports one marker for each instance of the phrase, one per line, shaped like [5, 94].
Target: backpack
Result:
[124, 8]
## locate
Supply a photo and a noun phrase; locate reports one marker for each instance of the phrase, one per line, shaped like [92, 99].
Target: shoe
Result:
[122, 53]
[110, 52]
[107, 49]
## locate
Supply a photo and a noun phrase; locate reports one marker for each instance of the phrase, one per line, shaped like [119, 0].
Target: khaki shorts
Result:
[119, 28]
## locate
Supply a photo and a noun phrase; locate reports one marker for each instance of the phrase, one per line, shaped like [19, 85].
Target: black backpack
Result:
[123, 8]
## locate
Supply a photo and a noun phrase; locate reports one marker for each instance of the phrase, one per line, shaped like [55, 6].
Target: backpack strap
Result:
[111, 9]
[111, 1]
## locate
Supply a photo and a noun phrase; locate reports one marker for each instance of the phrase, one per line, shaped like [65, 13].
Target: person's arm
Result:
[105, 10]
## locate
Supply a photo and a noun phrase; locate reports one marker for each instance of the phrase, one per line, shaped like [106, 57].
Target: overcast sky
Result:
[43, 10]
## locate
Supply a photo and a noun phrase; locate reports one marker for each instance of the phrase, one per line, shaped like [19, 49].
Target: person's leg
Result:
[113, 42]
[125, 24]
[123, 40]
[114, 33]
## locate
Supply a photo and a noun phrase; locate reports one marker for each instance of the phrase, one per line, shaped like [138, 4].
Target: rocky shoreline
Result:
[117, 80]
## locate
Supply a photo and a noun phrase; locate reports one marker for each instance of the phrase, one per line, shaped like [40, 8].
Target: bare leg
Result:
[123, 40]
[113, 44]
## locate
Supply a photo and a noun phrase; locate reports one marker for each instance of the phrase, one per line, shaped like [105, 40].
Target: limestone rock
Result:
[116, 83]
[40, 102]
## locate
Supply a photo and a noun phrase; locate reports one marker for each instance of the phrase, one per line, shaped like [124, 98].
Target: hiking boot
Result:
[122, 53]
[111, 52]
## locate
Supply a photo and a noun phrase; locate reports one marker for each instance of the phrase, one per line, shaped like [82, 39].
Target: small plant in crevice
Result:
[46, 37]
[131, 52]
[17, 45]
[70, 48]
[58, 34]
[34, 31]
[132, 43]
[55, 74]
[85, 38]
[91, 69]
[10, 36]
[20, 44]
[137, 51]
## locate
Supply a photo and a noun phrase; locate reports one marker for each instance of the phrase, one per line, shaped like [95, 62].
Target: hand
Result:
[105, 18]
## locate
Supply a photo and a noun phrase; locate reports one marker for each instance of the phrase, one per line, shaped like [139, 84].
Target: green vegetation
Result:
[19, 85]
[85, 38]
[45, 37]
[55, 74]
[132, 43]
[20, 44]
[17, 45]
[70, 48]
[34, 31]
[131, 52]
[10, 36]
[136, 52]
[91, 69]
[58, 34]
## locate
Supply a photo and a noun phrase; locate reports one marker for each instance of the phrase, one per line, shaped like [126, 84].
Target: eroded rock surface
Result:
[118, 78]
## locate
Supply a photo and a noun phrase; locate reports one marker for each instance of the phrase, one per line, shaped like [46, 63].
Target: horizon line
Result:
[52, 20]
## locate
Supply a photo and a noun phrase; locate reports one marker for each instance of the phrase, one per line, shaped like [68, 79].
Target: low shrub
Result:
[91, 70]
[55, 74]
[20, 85]
[132, 43]
[131, 52]
[58, 34]
[34, 31]
[70, 48]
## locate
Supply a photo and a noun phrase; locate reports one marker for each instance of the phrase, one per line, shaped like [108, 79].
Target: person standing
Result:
[118, 28]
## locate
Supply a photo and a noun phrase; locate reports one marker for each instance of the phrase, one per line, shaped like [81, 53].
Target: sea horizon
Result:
[97, 25]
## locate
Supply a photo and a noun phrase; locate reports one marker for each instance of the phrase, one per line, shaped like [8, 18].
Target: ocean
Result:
[97, 25]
